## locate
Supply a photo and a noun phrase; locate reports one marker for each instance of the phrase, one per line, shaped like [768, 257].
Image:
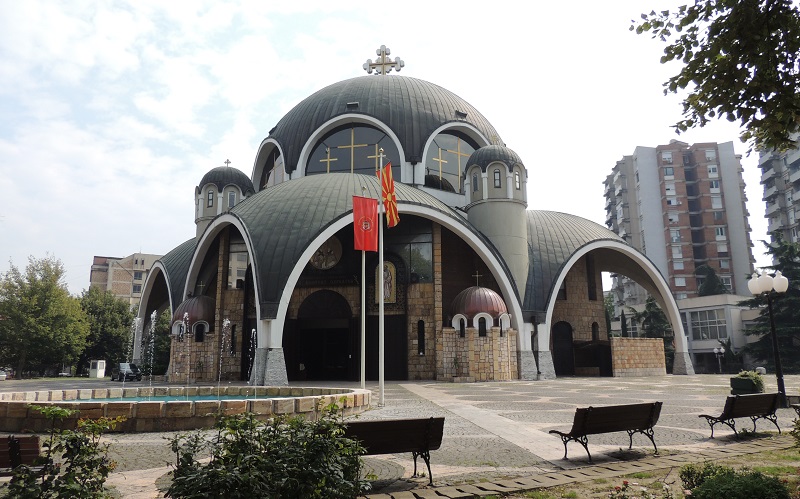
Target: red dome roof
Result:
[199, 308]
[475, 300]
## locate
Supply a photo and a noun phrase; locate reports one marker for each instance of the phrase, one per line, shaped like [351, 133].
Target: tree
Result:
[712, 284]
[110, 332]
[785, 310]
[741, 60]
[41, 325]
[654, 324]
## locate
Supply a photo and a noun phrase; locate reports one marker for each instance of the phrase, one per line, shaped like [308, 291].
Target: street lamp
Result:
[720, 353]
[764, 284]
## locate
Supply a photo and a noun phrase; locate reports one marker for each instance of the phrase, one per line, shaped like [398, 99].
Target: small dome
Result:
[486, 155]
[475, 300]
[199, 308]
[227, 175]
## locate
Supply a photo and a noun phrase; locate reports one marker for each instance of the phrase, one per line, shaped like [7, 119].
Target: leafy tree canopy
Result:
[42, 327]
[712, 284]
[741, 62]
[110, 331]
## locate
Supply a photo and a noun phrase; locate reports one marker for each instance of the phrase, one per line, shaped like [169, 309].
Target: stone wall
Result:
[577, 309]
[474, 358]
[637, 357]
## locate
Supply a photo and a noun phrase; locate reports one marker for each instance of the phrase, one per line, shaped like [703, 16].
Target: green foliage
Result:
[796, 433]
[44, 327]
[283, 457]
[745, 484]
[712, 284]
[693, 475]
[110, 320]
[741, 61]
[785, 309]
[75, 464]
[753, 376]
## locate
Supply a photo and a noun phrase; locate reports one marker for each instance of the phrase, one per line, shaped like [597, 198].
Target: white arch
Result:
[483, 315]
[663, 297]
[456, 322]
[260, 162]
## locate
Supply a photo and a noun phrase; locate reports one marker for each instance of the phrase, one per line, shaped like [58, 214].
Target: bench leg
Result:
[771, 417]
[426, 456]
[730, 422]
[647, 433]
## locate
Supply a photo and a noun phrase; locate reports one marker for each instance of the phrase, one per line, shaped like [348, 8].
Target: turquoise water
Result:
[179, 398]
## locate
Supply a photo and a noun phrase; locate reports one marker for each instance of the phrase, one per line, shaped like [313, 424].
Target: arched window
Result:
[474, 182]
[595, 331]
[353, 148]
[421, 337]
[200, 332]
[231, 199]
[210, 198]
[517, 183]
[482, 326]
[497, 182]
[462, 328]
[446, 159]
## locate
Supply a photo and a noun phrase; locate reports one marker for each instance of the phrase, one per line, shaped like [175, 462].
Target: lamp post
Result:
[720, 353]
[764, 284]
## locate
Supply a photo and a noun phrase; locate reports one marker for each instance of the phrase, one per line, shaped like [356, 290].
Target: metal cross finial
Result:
[477, 276]
[383, 65]
[227, 162]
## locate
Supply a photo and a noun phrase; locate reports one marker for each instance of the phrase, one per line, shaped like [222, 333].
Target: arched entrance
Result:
[321, 344]
[563, 355]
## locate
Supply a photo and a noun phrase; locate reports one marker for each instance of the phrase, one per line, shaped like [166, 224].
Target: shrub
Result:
[753, 376]
[82, 466]
[741, 485]
[796, 432]
[693, 475]
[283, 457]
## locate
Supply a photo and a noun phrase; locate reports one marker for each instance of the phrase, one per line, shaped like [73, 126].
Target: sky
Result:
[111, 112]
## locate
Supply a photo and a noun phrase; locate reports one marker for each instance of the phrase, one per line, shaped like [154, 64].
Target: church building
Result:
[476, 286]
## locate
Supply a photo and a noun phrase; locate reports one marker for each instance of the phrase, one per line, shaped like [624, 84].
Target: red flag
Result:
[389, 197]
[365, 223]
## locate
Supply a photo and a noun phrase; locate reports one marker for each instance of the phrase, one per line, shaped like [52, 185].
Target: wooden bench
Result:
[16, 450]
[632, 418]
[754, 406]
[391, 436]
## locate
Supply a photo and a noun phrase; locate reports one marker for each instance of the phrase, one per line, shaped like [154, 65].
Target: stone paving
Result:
[495, 436]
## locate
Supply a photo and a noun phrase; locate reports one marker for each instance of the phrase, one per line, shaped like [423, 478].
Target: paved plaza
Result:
[496, 434]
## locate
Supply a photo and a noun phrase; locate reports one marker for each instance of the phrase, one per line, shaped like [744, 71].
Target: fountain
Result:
[226, 331]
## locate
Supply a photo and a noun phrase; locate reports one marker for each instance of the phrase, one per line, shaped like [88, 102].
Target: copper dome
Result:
[475, 300]
[199, 308]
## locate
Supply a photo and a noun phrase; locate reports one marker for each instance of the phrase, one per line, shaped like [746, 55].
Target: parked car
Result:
[2, 375]
[126, 371]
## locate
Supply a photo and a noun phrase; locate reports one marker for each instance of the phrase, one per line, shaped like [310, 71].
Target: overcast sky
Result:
[112, 112]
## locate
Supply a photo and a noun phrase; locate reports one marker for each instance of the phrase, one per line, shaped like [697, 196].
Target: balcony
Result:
[772, 208]
[767, 174]
[794, 175]
[770, 192]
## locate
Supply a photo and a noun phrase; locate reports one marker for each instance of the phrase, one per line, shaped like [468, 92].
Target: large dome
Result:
[413, 109]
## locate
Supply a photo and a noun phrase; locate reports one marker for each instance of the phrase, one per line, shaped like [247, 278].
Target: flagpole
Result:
[363, 313]
[381, 209]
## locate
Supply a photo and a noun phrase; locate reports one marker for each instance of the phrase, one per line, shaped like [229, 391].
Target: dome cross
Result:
[383, 65]
[477, 275]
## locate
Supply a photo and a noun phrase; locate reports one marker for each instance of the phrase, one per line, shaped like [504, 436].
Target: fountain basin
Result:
[177, 414]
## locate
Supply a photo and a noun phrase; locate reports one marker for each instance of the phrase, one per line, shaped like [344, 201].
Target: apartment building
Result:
[780, 176]
[122, 276]
[683, 206]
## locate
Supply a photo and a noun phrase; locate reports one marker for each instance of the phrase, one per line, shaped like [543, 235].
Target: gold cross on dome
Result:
[477, 276]
[227, 162]
[327, 160]
[383, 65]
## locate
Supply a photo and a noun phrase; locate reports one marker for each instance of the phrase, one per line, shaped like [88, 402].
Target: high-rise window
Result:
[666, 157]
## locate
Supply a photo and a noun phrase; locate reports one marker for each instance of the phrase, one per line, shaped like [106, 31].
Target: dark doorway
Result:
[563, 354]
[395, 337]
[321, 345]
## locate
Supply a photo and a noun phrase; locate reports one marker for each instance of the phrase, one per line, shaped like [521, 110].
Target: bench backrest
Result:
[605, 419]
[397, 435]
[755, 404]
[19, 449]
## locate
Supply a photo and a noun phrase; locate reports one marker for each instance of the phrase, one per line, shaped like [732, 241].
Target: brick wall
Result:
[637, 357]
[489, 358]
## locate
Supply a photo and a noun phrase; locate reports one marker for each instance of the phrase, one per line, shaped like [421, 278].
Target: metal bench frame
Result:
[754, 406]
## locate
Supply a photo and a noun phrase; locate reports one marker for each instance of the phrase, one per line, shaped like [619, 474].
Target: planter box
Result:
[743, 386]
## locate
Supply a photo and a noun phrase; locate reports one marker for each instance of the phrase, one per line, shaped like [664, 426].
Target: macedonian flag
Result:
[389, 197]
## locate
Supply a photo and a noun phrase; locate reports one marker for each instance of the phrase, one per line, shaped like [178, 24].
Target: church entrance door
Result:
[321, 345]
[563, 354]
[395, 337]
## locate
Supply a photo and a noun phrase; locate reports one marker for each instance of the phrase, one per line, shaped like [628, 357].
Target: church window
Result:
[200, 332]
[595, 331]
[421, 337]
[474, 182]
[353, 148]
[231, 199]
[482, 327]
[446, 159]
[210, 199]
[497, 182]
[517, 183]
[462, 328]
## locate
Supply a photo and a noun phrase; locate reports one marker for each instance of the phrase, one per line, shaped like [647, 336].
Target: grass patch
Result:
[642, 475]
